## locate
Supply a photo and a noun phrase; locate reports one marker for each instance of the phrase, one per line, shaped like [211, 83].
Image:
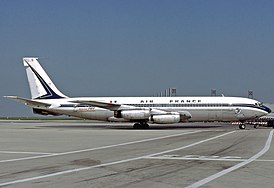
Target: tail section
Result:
[41, 86]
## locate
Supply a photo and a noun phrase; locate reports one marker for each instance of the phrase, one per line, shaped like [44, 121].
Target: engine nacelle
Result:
[44, 112]
[165, 118]
[184, 116]
[135, 114]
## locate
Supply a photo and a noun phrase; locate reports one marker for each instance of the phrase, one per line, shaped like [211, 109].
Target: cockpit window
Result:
[259, 104]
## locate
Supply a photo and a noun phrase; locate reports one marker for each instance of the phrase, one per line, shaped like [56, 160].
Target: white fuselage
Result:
[48, 100]
[200, 108]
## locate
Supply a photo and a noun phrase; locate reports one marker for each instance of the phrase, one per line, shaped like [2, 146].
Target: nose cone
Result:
[266, 109]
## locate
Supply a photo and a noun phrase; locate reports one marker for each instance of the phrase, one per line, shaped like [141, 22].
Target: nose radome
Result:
[267, 109]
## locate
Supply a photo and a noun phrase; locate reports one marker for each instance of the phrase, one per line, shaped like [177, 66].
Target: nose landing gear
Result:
[242, 126]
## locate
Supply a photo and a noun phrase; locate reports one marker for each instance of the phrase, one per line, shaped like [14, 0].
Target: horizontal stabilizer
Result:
[28, 102]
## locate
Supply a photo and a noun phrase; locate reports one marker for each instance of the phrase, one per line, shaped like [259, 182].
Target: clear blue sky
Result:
[133, 48]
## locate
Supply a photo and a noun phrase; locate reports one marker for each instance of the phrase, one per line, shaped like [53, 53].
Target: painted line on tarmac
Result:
[98, 148]
[110, 163]
[25, 152]
[235, 167]
[190, 145]
[223, 159]
[196, 159]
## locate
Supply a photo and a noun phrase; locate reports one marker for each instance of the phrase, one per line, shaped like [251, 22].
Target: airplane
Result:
[48, 100]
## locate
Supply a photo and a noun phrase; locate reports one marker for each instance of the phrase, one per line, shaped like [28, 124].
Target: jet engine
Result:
[165, 118]
[133, 114]
[44, 112]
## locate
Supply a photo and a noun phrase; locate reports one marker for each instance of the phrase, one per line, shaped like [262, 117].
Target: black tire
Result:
[137, 126]
[141, 126]
[242, 126]
[145, 126]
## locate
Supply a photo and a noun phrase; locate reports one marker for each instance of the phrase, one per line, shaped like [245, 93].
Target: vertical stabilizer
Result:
[41, 86]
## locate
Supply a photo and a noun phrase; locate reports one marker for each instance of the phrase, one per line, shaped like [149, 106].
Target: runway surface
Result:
[89, 154]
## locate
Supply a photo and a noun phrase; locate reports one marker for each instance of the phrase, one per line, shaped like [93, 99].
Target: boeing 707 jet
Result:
[48, 100]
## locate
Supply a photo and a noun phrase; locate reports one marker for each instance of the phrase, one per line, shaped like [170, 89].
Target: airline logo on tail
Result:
[41, 85]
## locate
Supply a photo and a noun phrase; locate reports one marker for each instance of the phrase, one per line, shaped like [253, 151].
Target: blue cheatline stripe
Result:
[264, 108]
[50, 93]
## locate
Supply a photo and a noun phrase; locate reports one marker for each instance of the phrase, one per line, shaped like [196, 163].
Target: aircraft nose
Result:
[266, 109]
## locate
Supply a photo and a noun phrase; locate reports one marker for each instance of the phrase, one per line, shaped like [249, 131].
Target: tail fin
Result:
[41, 86]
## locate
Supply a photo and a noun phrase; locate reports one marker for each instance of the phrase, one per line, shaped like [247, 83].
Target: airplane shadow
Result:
[130, 127]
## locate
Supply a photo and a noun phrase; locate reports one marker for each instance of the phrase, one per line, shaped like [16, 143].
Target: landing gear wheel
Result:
[242, 126]
[256, 126]
[145, 126]
[141, 126]
[137, 126]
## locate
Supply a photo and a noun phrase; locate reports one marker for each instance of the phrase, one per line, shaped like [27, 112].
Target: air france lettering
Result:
[185, 101]
[174, 101]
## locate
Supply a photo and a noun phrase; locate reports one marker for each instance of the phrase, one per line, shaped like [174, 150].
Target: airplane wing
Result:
[113, 107]
[184, 115]
[109, 106]
[28, 102]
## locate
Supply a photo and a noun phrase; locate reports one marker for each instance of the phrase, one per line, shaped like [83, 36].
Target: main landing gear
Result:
[141, 125]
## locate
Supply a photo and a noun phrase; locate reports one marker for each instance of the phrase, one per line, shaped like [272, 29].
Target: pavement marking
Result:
[25, 152]
[223, 159]
[197, 158]
[108, 164]
[98, 148]
[235, 167]
[194, 144]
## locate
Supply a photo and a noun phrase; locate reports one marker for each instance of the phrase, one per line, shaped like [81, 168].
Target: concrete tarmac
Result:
[92, 154]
